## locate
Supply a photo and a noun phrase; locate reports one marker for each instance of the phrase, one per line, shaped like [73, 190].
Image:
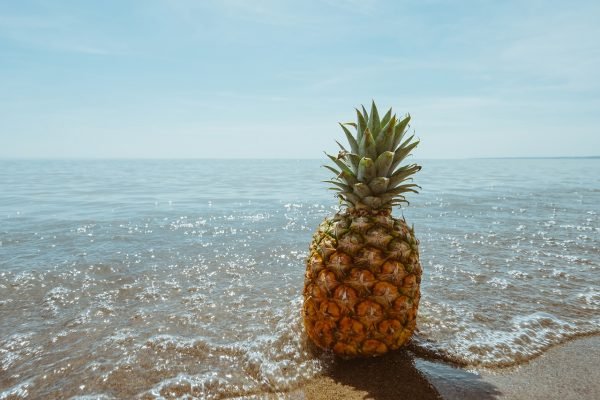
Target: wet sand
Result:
[568, 371]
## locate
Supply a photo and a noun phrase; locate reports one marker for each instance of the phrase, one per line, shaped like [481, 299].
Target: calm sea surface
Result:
[159, 279]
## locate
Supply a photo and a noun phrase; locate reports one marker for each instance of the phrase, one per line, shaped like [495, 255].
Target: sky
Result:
[272, 78]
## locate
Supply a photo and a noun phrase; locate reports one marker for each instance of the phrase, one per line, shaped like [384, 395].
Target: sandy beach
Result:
[567, 371]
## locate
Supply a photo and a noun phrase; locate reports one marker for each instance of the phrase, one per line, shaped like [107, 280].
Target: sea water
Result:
[166, 279]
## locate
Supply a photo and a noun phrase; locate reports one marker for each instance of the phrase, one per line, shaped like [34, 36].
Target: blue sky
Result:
[267, 78]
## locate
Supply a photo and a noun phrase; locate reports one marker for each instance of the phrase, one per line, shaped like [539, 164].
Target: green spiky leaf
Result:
[348, 177]
[351, 140]
[361, 125]
[339, 185]
[379, 185]
[403, 151]
[362, 190]
[399, 131]
[386, 137]
[342, 165]
[365, 113]
[351, 198]
[354, 161]
[401, 175]
[366, 170]
[384, 162]
[386, 117]
[370, 148]
[374, 122]
[335, 171]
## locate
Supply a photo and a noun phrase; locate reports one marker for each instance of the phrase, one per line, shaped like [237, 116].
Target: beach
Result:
[157, 280]
[567, 371]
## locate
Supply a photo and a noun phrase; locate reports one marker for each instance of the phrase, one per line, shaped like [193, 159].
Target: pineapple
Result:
[361, 287]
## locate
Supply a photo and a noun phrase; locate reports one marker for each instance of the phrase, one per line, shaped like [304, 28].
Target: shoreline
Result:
[566, 371]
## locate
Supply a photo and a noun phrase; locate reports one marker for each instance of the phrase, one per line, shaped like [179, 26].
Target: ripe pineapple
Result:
[361, 287]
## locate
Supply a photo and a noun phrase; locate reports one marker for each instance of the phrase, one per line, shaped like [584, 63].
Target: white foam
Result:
[522, 338]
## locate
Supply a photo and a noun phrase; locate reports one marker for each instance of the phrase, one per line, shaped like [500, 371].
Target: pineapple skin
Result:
[362, 284]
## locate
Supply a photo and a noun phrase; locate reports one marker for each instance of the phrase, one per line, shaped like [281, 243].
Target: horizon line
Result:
[269, 158]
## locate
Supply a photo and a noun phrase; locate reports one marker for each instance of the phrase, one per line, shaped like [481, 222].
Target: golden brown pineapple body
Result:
[361, 287]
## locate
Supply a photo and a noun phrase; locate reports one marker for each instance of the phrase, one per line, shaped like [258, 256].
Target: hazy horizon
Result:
[324, 159]
[271, 79]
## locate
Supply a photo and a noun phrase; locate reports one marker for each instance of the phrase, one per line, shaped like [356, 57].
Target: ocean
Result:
[171, 278]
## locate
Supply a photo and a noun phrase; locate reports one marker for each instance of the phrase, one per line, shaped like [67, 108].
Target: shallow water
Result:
[160, 279]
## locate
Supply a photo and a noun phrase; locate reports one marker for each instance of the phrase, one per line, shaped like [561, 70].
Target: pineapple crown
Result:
[368, 174]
